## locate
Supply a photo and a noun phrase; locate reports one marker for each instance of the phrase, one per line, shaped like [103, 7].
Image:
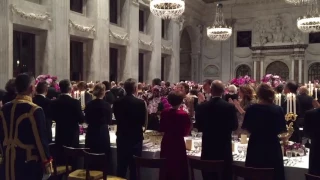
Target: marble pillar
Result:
[261, 69]
[6, 45]
[174, 62]
[99, 47]
[154, 58]
[195, 66]
[254, 69]
[300, 71]
[292, 70]
[131, 64]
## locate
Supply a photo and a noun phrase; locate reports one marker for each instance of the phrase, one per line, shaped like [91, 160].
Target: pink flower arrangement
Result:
[272, 80]
[242, 80]
[295, 147]
[49, 79]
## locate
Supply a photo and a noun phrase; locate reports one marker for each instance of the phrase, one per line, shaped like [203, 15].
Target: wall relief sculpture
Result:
[275, 30]
[211, 71]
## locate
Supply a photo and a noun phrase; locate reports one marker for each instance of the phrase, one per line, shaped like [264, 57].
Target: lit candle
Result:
[294, 104]
[316, 95]
[279, 99]
[82, 97]
[288, 101]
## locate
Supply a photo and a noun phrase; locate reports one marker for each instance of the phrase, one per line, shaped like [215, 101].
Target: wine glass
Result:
[235, 137]
[289, 155]
[240, 152]
[301, 154]
[194, 133]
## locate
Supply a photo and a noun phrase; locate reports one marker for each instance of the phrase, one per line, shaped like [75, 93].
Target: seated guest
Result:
[217, 119]
[82, 87]
[232, 93]
[41, 100]
[311, 130]
[265, 121]
[131, 116]
[11, 92]
[108, 97]
[98, 115]
[67, 114]
[175, 123]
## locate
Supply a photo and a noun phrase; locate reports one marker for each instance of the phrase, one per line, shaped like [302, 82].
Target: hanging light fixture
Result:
[219, 31]
[167, 9]
[310, 22]
[297, 2]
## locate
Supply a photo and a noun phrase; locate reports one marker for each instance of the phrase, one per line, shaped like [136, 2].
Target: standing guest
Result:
[188, 101]
[175, 123]
[279, 90]
[67, 114]
[141, 94]
[206, 89]
[53, 93]
[98, 115]
[217, 119]
[108, 97]
[2, 93]
[311, 130]
[131, 116]
[156, 82]
[82, 87]
[27, 152]
[41, 100]
[305, 103]
[232, 93]
[264, 149]
[11, 92]
[292, 87]
[247, 99]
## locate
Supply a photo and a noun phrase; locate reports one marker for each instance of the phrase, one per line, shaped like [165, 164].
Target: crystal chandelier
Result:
[297, 2]
[167, 9]
[310, 22]
[219, 31]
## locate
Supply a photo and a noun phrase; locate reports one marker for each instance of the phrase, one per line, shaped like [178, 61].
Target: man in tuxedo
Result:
[109, 96]
[67, 114]
[217, 118]
[292, 87]
[311, 130]
[131, 116]
[82, 87]
[41, 100]
[305, 105]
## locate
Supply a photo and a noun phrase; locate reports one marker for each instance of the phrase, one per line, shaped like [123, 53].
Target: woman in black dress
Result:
[98, 115]
[264, 121]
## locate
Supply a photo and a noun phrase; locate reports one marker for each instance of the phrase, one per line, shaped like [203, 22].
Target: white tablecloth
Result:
[295, 171]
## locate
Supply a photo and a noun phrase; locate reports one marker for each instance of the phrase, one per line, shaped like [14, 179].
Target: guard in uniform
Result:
[22, 136]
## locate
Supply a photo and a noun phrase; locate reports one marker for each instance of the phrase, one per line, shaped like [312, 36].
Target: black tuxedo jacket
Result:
[44, 103]
[67, 114]
[305, 104]
[217, 119]
[131, 114]
[109, 97]
[311, 130]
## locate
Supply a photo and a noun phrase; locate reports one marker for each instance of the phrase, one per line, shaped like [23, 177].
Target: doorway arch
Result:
[185, 56]
[278, 68]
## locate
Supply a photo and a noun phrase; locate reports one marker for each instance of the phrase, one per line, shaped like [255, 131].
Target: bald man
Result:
[216, 119]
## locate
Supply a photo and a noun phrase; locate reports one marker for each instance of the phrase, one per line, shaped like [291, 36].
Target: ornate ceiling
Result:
[212, 1]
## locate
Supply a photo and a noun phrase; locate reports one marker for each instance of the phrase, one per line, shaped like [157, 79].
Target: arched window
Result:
[314, 72]
[243, 70]
[278, 68]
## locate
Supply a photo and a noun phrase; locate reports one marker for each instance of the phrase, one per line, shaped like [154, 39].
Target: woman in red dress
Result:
[175, 124]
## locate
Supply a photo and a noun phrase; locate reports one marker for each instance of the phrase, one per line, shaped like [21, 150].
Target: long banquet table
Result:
[293, 171]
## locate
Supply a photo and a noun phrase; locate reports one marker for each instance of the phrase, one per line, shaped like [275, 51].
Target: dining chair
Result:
[206, 166]
[312, 177]
[148, 163]
[58, 170]
[252, 173]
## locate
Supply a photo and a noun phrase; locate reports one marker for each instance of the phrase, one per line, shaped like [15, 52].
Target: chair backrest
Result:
[148, 163]
[96, 158]
[252, 173]
[73, 153]
[312, 177]
[207, 166]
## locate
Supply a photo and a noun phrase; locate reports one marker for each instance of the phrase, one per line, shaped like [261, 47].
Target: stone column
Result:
[292, 70]
[6, 49]
[57, 55]
[154, 70]
[174, 63]
[195, 66]
[131, 65]
[300, 71]
[98, 61]
[261, 68]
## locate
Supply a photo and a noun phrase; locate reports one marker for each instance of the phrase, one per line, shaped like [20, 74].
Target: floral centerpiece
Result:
[273, 80]
[51, 80]
[242, 80]
[296, 148]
